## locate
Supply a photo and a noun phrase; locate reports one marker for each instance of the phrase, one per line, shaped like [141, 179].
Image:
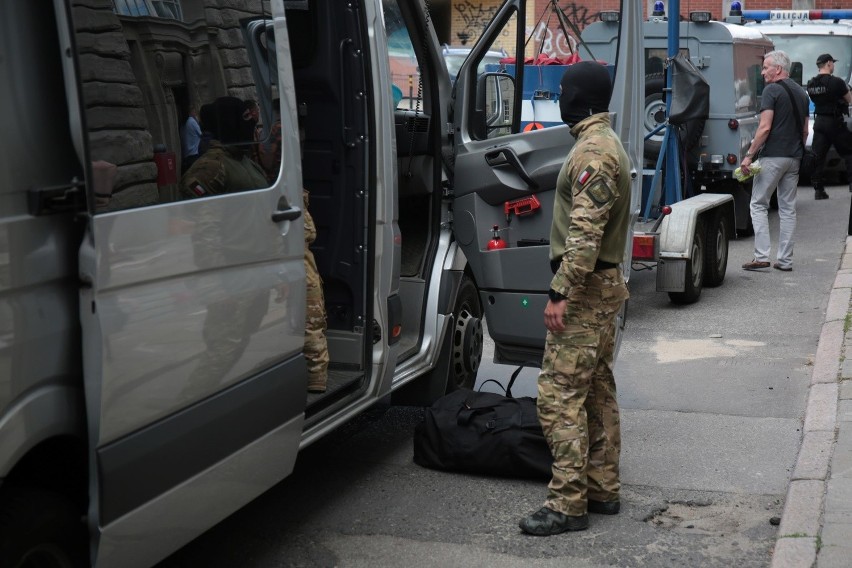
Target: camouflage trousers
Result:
[316, 346]
[577, 404]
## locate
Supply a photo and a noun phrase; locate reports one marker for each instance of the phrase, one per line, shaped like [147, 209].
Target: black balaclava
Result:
[233, 124]
[586, 90]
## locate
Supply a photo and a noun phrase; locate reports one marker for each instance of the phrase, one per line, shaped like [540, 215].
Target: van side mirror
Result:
[493, 114]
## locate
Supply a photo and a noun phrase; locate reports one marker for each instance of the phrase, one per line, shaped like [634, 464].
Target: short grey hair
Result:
[780, 59]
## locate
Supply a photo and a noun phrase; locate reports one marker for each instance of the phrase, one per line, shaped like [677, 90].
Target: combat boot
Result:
[819, 193]
[547, 522]
[316, 384]
[604, 507]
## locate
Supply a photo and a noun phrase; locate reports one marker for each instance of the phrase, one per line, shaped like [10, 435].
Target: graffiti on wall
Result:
[548, 38]
[475, 17]
[551, 40]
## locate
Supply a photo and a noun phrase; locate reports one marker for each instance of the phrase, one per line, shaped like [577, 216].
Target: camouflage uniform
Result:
[577, 404]
[220, 170]
[316, 346]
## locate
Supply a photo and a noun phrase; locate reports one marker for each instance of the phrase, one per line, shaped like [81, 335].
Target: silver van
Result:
[152, 374]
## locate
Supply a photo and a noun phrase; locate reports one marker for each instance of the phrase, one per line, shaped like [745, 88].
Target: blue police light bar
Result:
[790, 15]
[659, 9]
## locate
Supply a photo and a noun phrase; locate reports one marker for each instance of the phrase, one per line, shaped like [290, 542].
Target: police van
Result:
[804, 35]
[152, 375]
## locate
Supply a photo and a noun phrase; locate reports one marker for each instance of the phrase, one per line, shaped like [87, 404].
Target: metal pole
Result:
[673, 189]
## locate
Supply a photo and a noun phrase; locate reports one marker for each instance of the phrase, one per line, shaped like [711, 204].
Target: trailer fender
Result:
[678, 228]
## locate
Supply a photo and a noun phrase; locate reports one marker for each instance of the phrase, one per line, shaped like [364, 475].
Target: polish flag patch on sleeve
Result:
[198, 189]
[585, 175]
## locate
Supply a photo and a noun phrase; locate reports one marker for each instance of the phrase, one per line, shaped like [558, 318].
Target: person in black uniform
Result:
[831, 97]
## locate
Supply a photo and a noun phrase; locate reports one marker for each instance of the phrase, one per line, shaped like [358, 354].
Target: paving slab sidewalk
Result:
[816, 524]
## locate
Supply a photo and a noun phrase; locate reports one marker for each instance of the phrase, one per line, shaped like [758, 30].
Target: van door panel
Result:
[489, 174]
[192, 310]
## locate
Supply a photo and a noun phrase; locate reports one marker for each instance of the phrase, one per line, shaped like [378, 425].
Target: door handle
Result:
[290, 214]
[507, 158]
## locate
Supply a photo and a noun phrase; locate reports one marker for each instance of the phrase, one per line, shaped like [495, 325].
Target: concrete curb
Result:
[802, 520]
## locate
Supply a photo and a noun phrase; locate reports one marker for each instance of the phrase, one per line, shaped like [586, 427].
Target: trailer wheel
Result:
[467, 337]
[716, 250]
[41, 529]
[694, 277]
[655, 114]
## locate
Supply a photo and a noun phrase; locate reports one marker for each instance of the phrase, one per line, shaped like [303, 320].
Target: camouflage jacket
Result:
[220, 170]
[591, 212]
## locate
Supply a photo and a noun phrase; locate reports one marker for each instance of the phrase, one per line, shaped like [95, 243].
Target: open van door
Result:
[192, 307]
[504, 175]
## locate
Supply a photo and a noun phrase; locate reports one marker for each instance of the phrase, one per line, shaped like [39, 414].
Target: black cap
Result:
[825, 58]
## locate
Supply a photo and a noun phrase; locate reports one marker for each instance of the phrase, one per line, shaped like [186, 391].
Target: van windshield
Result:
[807, 47]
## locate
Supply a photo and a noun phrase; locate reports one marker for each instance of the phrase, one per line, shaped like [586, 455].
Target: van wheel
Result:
[467, 337]
[716, 250]
[41, 530]
[694, 277]
[655, 115]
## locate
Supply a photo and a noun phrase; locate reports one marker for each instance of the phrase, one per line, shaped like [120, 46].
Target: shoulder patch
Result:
[585, 175]
[196, 188]
[600, 192]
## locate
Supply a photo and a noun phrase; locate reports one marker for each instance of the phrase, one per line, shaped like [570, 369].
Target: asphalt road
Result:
[712, 399]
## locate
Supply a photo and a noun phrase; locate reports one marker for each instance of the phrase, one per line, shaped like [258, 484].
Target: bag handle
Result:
[518, 372]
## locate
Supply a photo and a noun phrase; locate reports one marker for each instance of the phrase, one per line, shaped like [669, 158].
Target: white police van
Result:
[804, 35]
[152, 379]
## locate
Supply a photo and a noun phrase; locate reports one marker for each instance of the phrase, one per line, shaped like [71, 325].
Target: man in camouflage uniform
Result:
[226, 166]
[577, 404]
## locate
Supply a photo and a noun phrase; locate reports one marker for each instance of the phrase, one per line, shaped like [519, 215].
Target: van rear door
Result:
[191, 304]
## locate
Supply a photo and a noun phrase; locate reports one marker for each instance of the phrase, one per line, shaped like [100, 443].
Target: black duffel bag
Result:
[483, 432]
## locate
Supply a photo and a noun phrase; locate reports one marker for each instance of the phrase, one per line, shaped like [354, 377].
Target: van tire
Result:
[467, 336]
[654, 115]
[39, 528]
[694, 278]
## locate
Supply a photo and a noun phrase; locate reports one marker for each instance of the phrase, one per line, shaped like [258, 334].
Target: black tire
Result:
[41, 530]
[467, 337]
[716, 250]
[654, 114]
[694, 278]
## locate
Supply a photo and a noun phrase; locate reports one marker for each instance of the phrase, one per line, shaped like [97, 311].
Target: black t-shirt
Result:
[784, 137]
[827, 92]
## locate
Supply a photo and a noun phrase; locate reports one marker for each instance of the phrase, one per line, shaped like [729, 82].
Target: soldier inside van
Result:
[226, 166]
[316, 344]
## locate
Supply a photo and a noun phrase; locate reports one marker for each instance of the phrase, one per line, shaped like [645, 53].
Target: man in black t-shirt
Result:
[831, 97]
